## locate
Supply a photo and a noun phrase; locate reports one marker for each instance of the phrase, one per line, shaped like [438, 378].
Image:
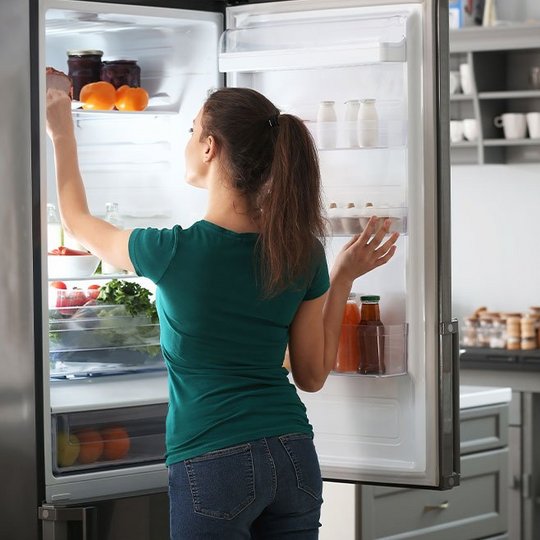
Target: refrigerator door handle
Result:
[55, 521]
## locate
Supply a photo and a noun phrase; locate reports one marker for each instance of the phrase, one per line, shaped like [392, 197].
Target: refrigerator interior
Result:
[369, 428]
[106, 371]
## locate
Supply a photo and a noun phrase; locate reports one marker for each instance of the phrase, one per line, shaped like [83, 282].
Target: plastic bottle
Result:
[112, 215]
[326, 125]
[54, 228]
[351, 119]
[371, 337]
[348, 355]
[368, 123]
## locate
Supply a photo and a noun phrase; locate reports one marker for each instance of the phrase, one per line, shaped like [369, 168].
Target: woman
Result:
[233, 290]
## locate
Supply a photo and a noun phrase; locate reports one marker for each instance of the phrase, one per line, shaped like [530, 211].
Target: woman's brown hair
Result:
[272, 160]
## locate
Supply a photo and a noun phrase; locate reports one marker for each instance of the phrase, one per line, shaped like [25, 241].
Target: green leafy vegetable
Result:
[133, 296]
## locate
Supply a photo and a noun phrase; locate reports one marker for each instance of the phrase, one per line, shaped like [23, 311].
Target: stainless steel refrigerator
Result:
[61, 377]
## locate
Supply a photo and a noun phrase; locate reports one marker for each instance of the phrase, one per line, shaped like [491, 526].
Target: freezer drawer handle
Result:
[443, 506]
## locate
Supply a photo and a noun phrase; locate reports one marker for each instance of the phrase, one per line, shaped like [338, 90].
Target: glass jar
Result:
[326, 125]
[348, 348]
[120, 72]
[470, 332]
[84, 67]
[112, 216]
[368, 123]
[371, 340]
[54, 228]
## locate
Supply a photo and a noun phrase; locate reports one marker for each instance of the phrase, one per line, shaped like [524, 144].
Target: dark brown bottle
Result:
[371, 337]
[84, 67]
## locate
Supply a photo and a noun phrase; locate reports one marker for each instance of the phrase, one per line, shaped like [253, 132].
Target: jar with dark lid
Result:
[84, 67]
[120, 72]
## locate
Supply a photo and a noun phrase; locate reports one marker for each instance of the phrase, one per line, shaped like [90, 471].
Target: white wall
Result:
[495, 237]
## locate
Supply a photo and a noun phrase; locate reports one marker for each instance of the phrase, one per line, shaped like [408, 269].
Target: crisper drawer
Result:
[475, 509]
[96, 339]
[483, 428]
[110, 438]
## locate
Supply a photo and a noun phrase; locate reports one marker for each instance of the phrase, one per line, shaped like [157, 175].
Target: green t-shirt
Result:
[223, 343]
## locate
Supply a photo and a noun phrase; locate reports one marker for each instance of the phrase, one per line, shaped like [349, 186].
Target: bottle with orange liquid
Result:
[371, 338]
[348, 354]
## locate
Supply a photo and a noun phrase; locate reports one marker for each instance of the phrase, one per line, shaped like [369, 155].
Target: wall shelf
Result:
[501, 59]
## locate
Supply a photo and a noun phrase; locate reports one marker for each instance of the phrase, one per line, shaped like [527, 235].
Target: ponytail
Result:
[272, 160]
[291, 209]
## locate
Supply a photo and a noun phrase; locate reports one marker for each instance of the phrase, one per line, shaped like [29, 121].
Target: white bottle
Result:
[326, 125]
[54, 228]
[112, 215]
[351, 118]
[368, 123]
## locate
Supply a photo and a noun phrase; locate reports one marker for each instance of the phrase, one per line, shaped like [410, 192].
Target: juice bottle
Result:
[371, 338]
[348, 354]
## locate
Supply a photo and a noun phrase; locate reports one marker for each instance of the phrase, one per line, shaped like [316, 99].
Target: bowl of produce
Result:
[67, 263]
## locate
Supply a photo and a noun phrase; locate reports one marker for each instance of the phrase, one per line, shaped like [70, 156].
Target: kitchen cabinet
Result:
[501, 59]
[524, 440]
[478, 508]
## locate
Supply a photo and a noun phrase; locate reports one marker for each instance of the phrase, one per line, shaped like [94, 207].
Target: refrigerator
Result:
[64, 375]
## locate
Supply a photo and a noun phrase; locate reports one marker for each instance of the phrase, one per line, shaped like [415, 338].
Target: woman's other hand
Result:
[59, 120]
[365, 252]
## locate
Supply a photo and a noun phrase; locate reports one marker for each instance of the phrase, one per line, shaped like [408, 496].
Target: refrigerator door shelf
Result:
[292, 39]
[315, 58]
[101, 440]
[333, 136]
[375, 351]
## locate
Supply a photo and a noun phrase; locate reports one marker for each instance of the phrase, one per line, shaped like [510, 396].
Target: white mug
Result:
[455, 84]
[456, 130]
[533, 122]
[470, 129]
[466, 78]
[514, 125]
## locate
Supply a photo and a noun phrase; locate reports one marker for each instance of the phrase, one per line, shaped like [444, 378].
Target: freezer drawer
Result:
[475, 509]
[92, 441]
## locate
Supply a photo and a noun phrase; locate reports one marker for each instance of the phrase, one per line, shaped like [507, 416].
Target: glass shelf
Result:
[94, 277]
[461, 97]
[511, 94]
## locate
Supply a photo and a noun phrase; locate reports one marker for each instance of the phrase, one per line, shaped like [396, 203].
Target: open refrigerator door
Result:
[105, 395]
[366, 78]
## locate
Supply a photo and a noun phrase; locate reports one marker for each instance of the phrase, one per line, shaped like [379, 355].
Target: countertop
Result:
[479, 396]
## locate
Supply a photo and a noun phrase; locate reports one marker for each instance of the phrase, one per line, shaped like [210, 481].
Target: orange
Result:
[116, 442]
[98, 96]
[131, 99]
[91, 446]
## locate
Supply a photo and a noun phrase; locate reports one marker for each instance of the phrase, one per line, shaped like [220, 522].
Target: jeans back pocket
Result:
[222, 482]
[304, 459]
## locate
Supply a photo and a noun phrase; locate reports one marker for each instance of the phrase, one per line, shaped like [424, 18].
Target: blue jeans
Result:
[265, 489]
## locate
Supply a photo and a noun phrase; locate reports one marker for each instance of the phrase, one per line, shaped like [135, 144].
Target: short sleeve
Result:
[320, 282]
[152, 250]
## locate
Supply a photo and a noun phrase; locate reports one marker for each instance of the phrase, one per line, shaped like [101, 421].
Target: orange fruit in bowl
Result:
[116, 442]
[98, 96]
[91, 446]
[131, 99]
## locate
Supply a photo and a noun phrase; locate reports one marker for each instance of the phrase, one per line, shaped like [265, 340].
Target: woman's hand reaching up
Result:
[365, 252]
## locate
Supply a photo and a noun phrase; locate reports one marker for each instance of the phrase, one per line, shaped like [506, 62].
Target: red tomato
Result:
[93, 291]
[58, 285]
[77, 298]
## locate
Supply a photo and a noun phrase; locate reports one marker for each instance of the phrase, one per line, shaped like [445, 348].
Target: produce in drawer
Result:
[117, 328]
[90, 446]
[67, 449]
[116, 442]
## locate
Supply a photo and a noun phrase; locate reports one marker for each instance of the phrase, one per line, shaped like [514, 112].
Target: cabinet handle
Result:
[443, 506]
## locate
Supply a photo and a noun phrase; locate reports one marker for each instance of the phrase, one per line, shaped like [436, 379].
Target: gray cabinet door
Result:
[475, 509]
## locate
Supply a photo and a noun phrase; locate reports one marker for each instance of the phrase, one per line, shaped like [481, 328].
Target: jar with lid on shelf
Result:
[484, 331]
[497, 338]
[54, 228]
[84, 67]
[528, 333]
[121, 72]
[326, 125]
[470, 332]
[513, 333]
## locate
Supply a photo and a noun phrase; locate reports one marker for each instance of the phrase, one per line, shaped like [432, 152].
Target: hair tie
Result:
[274, 120]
